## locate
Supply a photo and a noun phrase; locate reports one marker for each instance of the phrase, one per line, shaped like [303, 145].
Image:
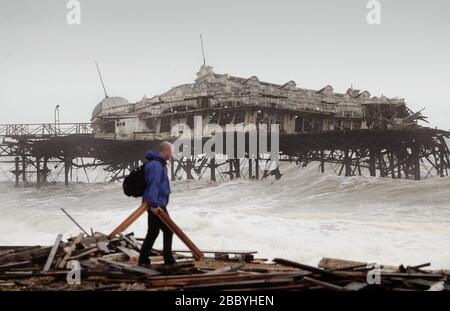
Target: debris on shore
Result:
[111, 264]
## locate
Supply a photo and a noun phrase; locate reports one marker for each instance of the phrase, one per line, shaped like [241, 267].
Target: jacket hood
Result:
[155, 155]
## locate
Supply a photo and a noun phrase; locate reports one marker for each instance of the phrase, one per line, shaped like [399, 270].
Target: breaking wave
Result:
[304, 216]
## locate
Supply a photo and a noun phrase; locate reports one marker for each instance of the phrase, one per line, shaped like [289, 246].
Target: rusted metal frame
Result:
[415, 149]
[178, 167]
[187, 167]
[357, 166]
[444, 163]
[202, 166]
[221, 172]
[346, 162]
[244, 168]
[44, 129]
[212, 167]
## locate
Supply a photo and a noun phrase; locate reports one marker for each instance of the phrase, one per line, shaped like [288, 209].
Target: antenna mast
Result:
[101, 79]
[203, 51]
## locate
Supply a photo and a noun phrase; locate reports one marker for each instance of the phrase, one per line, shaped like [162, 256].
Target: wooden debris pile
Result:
[111, 264]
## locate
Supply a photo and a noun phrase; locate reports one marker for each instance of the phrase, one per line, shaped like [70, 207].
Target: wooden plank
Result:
[128, 241]
[129, 252]
[355, 286]
[183, 237]
[130, 220]
[128, 267]
[166, 220]
[240, 284]
[271, 288]
[226, 269]
[340, 264]
[31, 253]
[413, 275]
[135, 243]
[52, 254]
[323, 284]
[6, 252]
[15, 264]
[197, 279]
[85, 253]
[231, 252]
[69, 249]
[103, 246]
[94, 240]
[304, 267]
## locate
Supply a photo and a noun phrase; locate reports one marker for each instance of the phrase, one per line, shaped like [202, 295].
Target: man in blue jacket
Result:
[157, 195]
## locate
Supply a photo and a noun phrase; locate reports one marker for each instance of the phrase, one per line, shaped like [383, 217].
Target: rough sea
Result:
[304, 216]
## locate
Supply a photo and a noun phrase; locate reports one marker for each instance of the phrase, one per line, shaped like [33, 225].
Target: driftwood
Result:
[130, 219]
[109, 267]
[52, 253]
[166, 220]
[183, 237]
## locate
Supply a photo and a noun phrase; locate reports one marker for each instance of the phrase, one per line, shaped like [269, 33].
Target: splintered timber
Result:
[98, 263]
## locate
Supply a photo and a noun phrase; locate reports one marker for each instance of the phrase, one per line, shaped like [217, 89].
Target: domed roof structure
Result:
[107, 103]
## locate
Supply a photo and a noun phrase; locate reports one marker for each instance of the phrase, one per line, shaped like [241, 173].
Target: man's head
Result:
[165, 149]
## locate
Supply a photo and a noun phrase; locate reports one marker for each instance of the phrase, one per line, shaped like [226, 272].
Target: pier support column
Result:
[237, 167]
[231, 170]
[372, 167]
[406, 168]
[16, 174]
[322, 162]
[66, 171]
[398, 156]
[189, 166]
[172, 169]
[212, 168]
[381, 164]
[392, 165]
[441, 158]
[257, 168]
[416, 160]
[257, 152]
[348, 170]
[45, 171]
[24, 167]
[38, 172]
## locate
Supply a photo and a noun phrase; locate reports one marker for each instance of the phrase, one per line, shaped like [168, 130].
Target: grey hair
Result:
[163, 146]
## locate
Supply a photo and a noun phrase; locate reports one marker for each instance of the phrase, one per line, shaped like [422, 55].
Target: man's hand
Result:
[155, 210]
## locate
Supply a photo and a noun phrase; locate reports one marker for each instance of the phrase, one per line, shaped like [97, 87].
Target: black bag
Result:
[134, 184]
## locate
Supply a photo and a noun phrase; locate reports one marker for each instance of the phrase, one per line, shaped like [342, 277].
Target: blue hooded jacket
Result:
[157, 182]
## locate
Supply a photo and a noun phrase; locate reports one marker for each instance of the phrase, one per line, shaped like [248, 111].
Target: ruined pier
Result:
[43, 153]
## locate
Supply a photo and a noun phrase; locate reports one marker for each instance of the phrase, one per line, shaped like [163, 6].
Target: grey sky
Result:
[146, 47]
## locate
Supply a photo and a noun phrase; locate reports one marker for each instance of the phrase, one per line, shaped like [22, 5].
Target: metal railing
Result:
[45, 129]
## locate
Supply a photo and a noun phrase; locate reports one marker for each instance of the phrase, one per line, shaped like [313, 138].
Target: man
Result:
[157, 195]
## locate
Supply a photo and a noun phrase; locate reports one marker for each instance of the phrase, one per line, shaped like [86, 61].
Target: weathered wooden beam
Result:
[183, 237]
[52, 254]
[69, 249]
[130, 220]
[304, 267]
[323, 284]
[127, 267]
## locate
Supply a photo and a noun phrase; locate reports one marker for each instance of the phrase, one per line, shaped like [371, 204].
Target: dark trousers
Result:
[154, 225]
